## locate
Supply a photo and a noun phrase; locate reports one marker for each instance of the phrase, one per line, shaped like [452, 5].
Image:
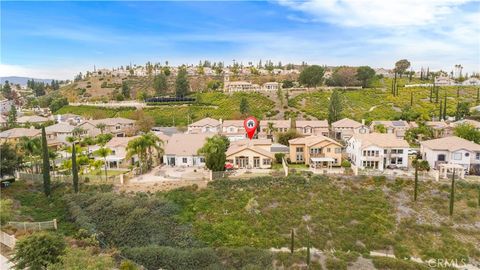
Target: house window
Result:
[202, 159]
[441, 157]
[457, 156]
[328, 150]
[118, 127]
[299, 149]
[399, 161]
[184, 160]
[477, 156]
[267, 161]
[338, 150]
[400, 151]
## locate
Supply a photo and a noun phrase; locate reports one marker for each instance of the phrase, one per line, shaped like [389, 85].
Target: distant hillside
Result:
[22, 80]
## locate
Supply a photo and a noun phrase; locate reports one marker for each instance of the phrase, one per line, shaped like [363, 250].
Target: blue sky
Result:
[60, 39]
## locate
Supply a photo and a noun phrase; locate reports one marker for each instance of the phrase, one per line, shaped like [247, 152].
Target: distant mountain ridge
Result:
[22, 80]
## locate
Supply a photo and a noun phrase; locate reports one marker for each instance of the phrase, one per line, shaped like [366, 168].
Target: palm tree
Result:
[53, 155]
[78, 132]
[270, 129]
[104, 152]
[144, 147]
[419, 165]
[101, 126]
[31, 148]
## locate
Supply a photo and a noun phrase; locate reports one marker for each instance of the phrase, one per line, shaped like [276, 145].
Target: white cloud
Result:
[37, 73]
[378, 13]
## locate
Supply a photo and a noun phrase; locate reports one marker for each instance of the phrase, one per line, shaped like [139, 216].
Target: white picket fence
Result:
[34, 226]
[7, 239]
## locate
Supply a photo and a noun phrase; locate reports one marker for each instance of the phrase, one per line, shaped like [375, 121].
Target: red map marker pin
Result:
[250, 124]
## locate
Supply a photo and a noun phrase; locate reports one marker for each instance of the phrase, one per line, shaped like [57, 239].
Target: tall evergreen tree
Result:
[292, 241]
[411, 99]
[334, 108]
[181, 83]
[445, 107]
[244, 107]
[46, 164]
[452, 193]
[74, 168]
[440, 112]
[12, 116]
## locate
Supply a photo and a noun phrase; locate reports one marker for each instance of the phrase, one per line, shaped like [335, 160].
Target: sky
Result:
[60, 39]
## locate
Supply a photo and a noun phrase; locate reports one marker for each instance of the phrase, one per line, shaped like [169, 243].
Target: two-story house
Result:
[377, 151]
[396, 127]
[315, 150]
[205, 125]
[312, 127]
[250, 154]
[234, 130]
[117, 126]
[344, 129]
[452, 150]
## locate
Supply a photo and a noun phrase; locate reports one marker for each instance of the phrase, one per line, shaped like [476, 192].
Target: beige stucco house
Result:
[316, 150]
[250, 154]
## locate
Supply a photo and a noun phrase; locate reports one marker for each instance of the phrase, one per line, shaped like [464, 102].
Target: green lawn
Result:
[222, 106]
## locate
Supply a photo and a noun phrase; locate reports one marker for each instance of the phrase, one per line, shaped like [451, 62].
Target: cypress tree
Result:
[411, 99]
[436, 94]
[452, 193]
[431, 93]
[334, 108]
[440, 113]
[445, 107]
[292, 241]
[416, 183]
[478, 95]
[46, 165]
[74, 168]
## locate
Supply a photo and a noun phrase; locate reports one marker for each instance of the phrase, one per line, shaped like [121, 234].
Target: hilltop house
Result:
[68, 118]
[250, 154]
[444, 81]
[377, 151]
[6, 106]
[317, 151]
[471, 81]
[345, 128]
[205, 125]
[89, 129]
[451, 150]
[181, 149]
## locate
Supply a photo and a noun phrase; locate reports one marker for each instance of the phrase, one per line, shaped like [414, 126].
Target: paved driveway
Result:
[4, 263]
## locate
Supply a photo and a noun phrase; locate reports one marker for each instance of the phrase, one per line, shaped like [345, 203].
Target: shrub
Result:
[38, 250]
[77, 258]
[155, 257]
[396, 264]
[6, 210]
[279, 157]
[336, 264]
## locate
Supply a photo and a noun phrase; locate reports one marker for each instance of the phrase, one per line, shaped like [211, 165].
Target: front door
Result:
[171, 161]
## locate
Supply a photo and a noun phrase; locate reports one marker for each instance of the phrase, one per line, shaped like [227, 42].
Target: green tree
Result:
[7, 91]
[463, 110]
[181, 83]
[85, 259]
[103, 153]
[144, 147]
[244, 107]
[10, 160]
[125, 90]
[74, 168]
[365, 74]
[46, 164]
[312, 76]
[12, 116]
[452, 194]
[334, 108]
[101, 127]
[287, 84]
[214, 151]
[6, 210]
[401, 66]
[160, 84]
[468, 132]
[419, 165]
[343, 76]
[284, 137]
[38, 250]
[32, 150]
[292, 241]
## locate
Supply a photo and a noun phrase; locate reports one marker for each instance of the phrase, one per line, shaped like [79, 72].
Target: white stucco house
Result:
[234, 130]
[377, 151]
[451, 150]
